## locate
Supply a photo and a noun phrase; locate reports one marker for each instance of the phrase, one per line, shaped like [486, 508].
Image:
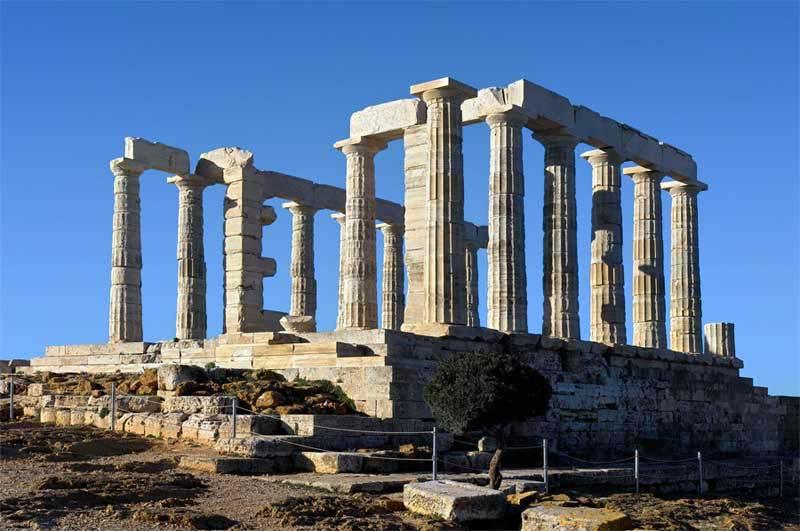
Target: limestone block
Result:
[597, 130]
[76, 417]
[553, 518]
[329, 462]
[37, 389]
[135, 423]
[47, 415]
[298, 323]
[207, 405]
[213, 163]
[388, 120]
[63, 416]
[539, 102]
[256, 447]
[170, 376]
[677, 163]
[157, 156]
[640, 147]
[454, 501]
[172, 424]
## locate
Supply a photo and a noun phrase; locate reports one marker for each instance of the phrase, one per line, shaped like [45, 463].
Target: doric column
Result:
[471, 260]
[444, 270]
[685, 307]
[393, 297]
[560, 249]
[125, 308]
[339, 217]
[508, 284]
[606, 275]
[720, 339]
[190, 320]
[360, 306]
[649, 307]
[304, 283]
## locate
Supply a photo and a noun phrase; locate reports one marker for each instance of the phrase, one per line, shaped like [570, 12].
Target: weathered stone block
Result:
[454, 501]
[552, 518]
[157, 156]
[388, 120]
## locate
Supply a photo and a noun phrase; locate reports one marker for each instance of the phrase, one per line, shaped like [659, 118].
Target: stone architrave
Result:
[304, 283]
[649, 306]
[508, 284]
[685, 305]
[393, 275]
[471, 262]
[125, 307]
[339, 217]
[607, 274]
[444, 270]
[190, 320]
[560, 272]
[360, 306]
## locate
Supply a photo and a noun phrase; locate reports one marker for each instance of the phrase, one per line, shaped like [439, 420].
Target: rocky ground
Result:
[83, 478]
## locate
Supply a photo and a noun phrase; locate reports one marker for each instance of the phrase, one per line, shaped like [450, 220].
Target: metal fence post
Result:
[544, 467]
[11, 398]
[435, 458]
[235, 406]
[636, 468]
[700, 471]
[113, 406]
[780, 488]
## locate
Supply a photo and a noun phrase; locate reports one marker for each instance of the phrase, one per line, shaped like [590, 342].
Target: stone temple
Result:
[614, 390]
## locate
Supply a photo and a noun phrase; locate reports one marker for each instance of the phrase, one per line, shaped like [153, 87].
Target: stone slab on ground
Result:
[329, 462]
[454, 501]
[552, 518]
[234, 465]
[349, 483]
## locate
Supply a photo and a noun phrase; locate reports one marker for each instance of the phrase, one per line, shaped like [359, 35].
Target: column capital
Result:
[601, 156]
[126, 167]
[445, 87]
[684, 187]
[556, 138]
[642, 173]
[338, 217]
[364, 145]
[508, 114]
[297, 208]
[190, 180]
[390, 228]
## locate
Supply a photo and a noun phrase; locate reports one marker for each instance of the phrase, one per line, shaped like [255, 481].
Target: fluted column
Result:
[339, 217]
[508, 284]
[444, 268]
[304, 283]
[471, 262]
[560, 248]
[394, 300]
[360, 306]
[190, 319]
[720, 339]
[606, 275]
[125, 307]
[649, 307]
[685, 306]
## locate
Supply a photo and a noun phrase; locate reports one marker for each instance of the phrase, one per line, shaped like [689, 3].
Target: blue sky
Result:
[719, 80]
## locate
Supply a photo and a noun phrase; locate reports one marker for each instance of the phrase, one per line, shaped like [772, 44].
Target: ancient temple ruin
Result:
[618, 387]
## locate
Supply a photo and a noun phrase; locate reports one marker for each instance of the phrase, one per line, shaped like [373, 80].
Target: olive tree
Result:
[478, 391]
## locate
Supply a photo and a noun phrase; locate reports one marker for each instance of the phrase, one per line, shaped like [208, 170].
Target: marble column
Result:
[471, 260]
[649, 307]
[394, 301]
[444, 268]
[720, 339]
[304, 283]
[685, 307]
[606, 274]
[125, 308]
[560, 248]
[360, 306]
[190, 320]
[339, 217]
[508, 284]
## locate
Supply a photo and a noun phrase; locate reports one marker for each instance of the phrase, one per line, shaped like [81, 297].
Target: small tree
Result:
[486, 392]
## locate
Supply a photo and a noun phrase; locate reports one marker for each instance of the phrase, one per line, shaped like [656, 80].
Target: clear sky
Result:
[719, 80]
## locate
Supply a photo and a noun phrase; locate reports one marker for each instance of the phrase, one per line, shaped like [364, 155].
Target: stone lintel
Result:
[689, 185]
[387, 121]
[157, 156]
[444, 83]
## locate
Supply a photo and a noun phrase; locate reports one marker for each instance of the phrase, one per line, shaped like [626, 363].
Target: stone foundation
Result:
[606, 400]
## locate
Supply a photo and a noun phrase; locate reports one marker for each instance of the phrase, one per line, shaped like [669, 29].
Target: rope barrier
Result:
[300, 445]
